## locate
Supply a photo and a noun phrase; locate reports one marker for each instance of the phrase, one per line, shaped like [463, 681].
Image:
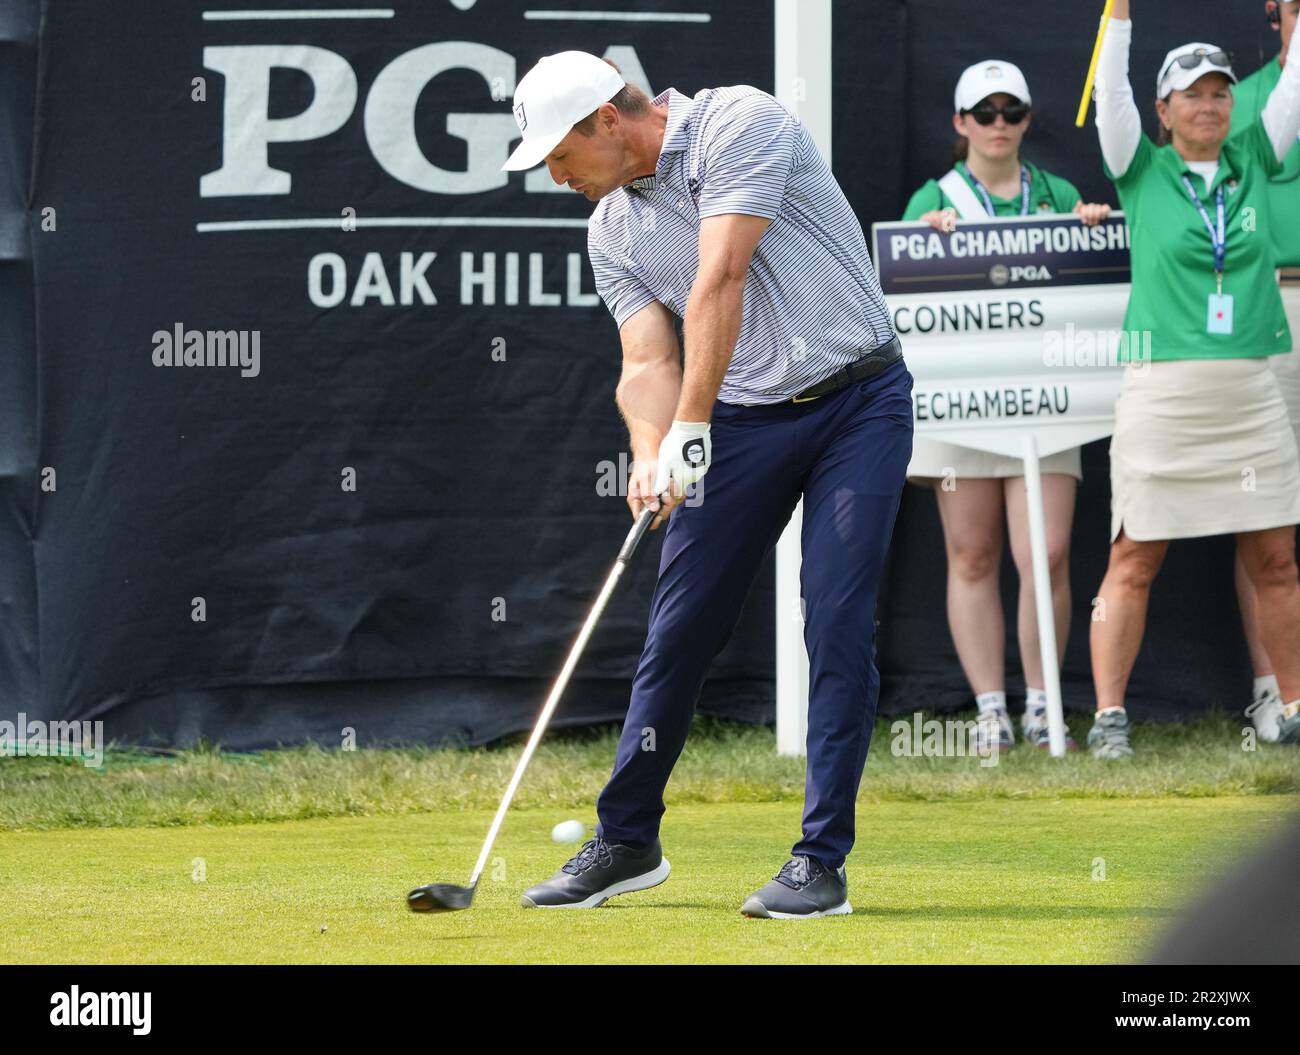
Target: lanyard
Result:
[1218, 237]
[988, 202]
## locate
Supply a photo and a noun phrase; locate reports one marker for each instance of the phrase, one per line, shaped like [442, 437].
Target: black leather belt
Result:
[868, 366]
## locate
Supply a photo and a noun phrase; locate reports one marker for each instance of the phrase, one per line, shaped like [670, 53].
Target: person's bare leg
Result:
[972, 534]
[1246, 602]
[1058, 512]
[1269, 560]
[1120, 615]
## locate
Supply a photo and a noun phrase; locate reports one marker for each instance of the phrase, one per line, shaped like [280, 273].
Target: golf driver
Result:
[448, 897]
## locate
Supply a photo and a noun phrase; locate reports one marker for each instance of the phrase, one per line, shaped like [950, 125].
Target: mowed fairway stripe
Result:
[991, 881]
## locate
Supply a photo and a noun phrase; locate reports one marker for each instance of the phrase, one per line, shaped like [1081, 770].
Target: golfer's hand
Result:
[940, 219]
[1091, 213]
[641, 492]
[684, 456]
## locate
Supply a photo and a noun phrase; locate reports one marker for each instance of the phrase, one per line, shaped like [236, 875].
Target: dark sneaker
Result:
[598, 872]
[1108, 737]
[801, 890]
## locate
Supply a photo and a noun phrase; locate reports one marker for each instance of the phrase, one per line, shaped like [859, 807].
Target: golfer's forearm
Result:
[647, 397]
[711, 327]
[1119, 125]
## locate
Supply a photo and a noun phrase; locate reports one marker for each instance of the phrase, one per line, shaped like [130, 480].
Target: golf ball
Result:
[568, 831]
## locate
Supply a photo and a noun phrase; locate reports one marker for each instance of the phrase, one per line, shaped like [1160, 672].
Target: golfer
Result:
[1283, 192]
[1202, 444]
[976, 491]
[719, 210]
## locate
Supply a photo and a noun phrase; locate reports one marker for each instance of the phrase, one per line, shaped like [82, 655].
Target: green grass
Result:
[723, 762]
[993, 881]
[207, 856]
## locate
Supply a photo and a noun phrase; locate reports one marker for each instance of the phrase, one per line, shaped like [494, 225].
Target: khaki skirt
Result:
[934, 458]
[1287, 367]
[1202, 447]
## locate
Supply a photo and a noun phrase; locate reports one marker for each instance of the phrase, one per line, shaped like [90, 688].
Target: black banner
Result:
[307, 410]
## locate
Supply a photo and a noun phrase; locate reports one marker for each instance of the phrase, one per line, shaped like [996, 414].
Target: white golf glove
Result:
[684, 455]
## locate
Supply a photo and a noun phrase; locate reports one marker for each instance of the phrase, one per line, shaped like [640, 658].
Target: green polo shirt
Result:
[1173, 260]
[1047, 194]
[1249, 99]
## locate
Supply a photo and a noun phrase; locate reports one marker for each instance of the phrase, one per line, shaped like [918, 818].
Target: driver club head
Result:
[440, 897]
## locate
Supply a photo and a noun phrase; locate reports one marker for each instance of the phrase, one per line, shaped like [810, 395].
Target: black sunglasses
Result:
[987, 113]
[1190, 62]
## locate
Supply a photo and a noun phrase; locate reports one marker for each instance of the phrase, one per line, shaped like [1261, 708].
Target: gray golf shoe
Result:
[1108, 737]
[1288, 730]
[598, 872]
[802, 889]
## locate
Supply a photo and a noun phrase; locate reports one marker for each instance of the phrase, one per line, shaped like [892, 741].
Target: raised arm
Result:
[1119, 125]
[1281, 115]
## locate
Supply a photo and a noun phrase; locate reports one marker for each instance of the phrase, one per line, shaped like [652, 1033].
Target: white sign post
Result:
[803, 83]
[1043, 598]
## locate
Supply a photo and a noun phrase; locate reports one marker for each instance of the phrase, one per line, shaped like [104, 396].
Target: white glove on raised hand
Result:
[684, 455]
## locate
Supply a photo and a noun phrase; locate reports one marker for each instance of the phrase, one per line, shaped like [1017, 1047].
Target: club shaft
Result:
[557, 690]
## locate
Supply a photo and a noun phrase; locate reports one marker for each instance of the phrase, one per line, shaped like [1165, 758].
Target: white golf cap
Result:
[555, 95]
[988, 78]
[1173, 77]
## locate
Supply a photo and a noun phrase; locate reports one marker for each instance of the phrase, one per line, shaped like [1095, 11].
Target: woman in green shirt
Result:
[992, 115]
[1202, 444]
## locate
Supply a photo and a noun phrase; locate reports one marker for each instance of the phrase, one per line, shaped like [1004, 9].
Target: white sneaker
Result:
[1033, 727]
[1265, 713]
[994, 731]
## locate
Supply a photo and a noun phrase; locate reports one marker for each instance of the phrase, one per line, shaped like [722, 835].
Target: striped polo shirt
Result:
[812, 302]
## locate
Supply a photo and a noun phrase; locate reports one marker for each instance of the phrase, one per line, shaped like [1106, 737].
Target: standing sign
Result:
[1011, 327]
[1013, 331]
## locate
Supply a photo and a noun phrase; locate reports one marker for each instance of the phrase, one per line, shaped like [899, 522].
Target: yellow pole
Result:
[1092, 66]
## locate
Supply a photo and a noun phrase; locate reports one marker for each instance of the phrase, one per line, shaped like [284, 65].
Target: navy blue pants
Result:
[847, 455]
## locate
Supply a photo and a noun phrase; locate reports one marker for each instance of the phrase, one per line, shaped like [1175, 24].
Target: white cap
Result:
[1176, 79]
[988, 78]
[555, 95]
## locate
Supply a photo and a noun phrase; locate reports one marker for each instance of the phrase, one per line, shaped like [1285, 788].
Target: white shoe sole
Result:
[1269, 733]
[1266, 716]
[755, 909]
[625, 886]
